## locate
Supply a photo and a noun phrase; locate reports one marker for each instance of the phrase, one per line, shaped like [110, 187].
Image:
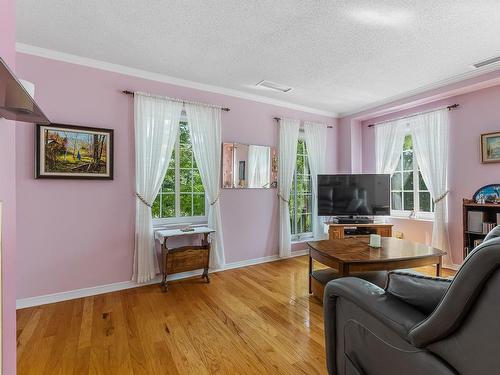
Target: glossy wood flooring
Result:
[253, 320]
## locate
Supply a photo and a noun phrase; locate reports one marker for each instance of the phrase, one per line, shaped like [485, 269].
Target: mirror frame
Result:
[273, 167]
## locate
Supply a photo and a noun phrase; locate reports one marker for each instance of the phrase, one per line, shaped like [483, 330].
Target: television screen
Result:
[354, 195]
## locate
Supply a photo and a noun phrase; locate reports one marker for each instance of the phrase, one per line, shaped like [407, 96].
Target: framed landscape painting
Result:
[490, 148]
[67, 151]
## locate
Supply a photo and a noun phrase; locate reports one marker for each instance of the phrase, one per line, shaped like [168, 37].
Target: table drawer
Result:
[336, 233]
[187, 259]
[385, 232]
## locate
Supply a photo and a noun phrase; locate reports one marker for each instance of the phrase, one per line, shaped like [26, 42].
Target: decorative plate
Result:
[490, 193]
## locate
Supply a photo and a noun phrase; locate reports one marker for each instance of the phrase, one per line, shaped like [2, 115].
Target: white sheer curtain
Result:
[288, 137]
[156, 127]
[205, 126]
[430, 133]
[389, 139]
[316, 135]
[259, 166]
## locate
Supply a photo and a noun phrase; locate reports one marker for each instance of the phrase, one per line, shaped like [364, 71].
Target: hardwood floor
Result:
[253, 320]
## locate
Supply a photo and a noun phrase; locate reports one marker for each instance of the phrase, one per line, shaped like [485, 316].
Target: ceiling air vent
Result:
[480, 64]
[274, 86]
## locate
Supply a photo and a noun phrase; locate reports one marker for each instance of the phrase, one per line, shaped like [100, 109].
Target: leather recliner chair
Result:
[418, 325]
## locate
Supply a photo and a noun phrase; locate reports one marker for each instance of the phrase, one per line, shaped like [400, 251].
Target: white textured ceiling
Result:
[338, 56]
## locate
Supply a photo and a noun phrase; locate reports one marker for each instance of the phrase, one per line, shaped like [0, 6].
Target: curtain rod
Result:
[449, 108]
[128, 92]
[278, 119]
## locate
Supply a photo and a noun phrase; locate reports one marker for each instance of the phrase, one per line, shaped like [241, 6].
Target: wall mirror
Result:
[249, 166]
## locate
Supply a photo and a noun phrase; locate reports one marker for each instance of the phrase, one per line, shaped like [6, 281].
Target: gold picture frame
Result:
[490, 148]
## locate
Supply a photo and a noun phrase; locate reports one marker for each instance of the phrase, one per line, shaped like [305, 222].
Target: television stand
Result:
[346, 230]
[354, 220]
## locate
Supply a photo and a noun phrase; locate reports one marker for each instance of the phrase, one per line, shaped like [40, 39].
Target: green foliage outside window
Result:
[300, 196]
[408, 189]
[182, 192]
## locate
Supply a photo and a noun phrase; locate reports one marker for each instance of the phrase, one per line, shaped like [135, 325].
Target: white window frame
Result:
[176, 220]
[415, 213]
[299, 237]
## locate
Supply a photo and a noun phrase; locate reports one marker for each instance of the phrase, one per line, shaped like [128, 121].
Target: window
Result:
[300, 196]
[409, 194]
[182, 193]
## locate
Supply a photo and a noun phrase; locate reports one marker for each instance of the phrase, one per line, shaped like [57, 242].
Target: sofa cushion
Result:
[420, 291]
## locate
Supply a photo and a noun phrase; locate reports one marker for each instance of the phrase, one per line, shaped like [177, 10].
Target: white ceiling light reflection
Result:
[382, 17]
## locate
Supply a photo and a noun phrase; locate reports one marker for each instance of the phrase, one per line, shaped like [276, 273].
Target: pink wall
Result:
[8, 196]
[479, 113]
[349, 148]
[344, 146]
[79, 234]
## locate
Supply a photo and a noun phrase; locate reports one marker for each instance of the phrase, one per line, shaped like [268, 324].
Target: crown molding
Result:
[121, 69]
[423, 89]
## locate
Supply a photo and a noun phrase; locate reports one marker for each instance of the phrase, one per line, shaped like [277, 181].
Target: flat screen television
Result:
[354, 195]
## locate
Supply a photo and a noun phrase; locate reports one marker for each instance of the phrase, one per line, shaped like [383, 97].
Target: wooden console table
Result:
[185, 258]
[338, 230]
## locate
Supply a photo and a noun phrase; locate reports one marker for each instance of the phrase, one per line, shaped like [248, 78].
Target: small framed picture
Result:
[73, 152]
[490, 148]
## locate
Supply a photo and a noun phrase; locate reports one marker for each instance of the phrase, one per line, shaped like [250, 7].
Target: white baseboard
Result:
[92, 291]
[270, 258]
[454, 267]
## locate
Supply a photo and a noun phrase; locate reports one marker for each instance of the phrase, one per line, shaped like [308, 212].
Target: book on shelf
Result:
[477, 242]
[487, 227]
[475, 220]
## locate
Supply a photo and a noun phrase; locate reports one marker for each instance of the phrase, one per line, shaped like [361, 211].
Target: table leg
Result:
[438, 268]
[310, 272]
[206, 242]
[343, 270]
[164, 283]
[205, 275]
[164, 266]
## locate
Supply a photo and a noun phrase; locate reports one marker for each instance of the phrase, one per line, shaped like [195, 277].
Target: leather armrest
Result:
[389, 310]
[422, 292]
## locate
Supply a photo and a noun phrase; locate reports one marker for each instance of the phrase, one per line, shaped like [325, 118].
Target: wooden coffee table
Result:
[349, 255]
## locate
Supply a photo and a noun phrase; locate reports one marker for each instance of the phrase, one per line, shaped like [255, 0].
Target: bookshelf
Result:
[488, 211]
